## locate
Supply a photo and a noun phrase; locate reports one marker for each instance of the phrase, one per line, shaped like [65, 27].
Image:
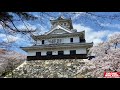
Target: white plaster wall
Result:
[43, 53]
[63, 40]
[81, 51]
[66, 40]
[66, 52]
[39, 42]
[55, 52]
[31, 53]
[75, 39]
[46, 42]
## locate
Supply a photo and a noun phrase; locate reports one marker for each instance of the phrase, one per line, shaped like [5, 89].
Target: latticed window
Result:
[54, 41]
[38, 53]
[72, 52]
[49, 53]
[60, 52]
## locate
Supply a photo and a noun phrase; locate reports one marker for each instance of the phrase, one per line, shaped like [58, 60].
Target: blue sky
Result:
[97, 29]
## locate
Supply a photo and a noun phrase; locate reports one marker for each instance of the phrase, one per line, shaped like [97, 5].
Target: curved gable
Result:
[58, 30]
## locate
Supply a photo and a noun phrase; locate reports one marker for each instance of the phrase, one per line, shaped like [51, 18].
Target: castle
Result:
[62, 41]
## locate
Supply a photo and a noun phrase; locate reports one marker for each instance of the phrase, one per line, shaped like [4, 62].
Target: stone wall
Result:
[69, 68]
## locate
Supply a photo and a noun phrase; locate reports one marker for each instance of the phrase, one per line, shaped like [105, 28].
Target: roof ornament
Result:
[60, 18]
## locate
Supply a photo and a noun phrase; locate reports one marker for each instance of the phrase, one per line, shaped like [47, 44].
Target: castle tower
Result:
[65, 23]
[60, 42]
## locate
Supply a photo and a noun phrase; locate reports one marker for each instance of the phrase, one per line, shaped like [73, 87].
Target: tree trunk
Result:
[116, 45]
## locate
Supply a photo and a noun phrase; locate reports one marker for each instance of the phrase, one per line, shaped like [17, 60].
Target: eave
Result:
[58, 35]
[58, 46]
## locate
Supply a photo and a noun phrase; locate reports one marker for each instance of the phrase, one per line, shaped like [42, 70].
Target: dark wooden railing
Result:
[53, 57]
[82, 40]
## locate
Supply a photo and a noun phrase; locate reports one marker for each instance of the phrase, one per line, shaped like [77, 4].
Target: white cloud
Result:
[40, 30]
[77, 14]
[19, 39]
[29, 26]
[91, 35]
[1, 26]
[96, 41]
[111, 25]
[8, 38]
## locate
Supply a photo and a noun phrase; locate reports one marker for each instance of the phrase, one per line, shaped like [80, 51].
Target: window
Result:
[72, 52]
[58, 40]
[65, 24]
[49, 53]
[42, 41]
[60, 52]
[55, 41]
[38, 53]
[71, 39]
[82, 40]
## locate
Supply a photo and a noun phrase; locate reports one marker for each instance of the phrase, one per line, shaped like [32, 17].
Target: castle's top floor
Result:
[65, 23]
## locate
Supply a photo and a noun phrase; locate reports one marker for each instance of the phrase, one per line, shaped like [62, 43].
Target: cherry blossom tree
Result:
[115, 39]
[107, 53]
[9, 60]
[107, 56]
